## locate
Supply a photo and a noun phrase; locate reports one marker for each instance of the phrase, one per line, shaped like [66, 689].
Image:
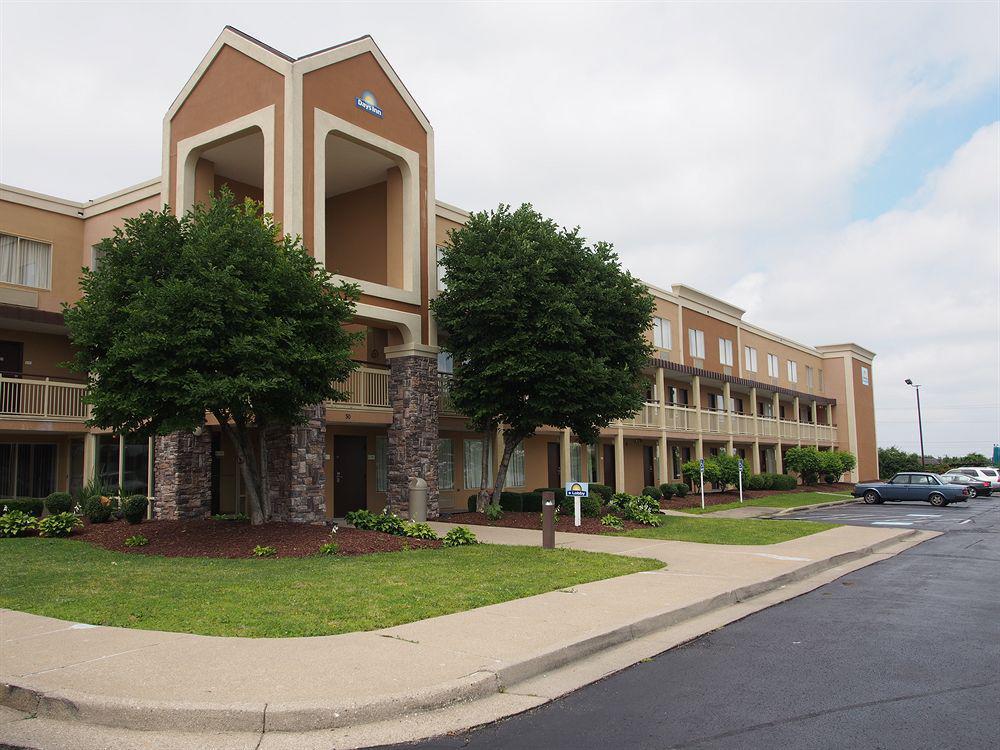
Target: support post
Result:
[564, 456]
[699, 446]
[798, 420]
[620, 461]
[776, 408]
[548, 520]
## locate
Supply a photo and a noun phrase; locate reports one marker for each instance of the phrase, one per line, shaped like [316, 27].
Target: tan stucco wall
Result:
[765, 346]
[669, 311]
[43, 353]
[64, 233]
[356, 234]
[96, 228]
[333, 89]
[864, 414]
[234, 85]
[714, 330]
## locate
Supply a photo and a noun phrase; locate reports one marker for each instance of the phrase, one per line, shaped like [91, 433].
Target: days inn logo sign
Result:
[368, 103]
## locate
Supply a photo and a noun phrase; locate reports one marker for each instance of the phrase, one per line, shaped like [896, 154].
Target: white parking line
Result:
[965, 521]
[892, 523]
[924, 515]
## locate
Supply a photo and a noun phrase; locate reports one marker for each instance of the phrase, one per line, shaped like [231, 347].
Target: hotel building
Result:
[337, 149]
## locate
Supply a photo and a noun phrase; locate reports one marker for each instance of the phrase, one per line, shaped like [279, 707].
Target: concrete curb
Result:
[70, 706]
[814, 506]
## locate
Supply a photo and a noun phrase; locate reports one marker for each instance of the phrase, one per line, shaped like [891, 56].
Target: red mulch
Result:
[512, 520]
[693, 498]
[208, 538]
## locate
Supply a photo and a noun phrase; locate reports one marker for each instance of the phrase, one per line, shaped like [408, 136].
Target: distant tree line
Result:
[893, 460]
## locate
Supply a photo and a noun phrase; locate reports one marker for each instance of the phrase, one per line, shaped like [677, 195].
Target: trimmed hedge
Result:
[30, 505]
[531, 502]
[602, 490]
[771, 482]
[511, 501]
[59, 502]
[667, 491]
[680, 489]
[653, 492]
[590, 507]
[559, 492]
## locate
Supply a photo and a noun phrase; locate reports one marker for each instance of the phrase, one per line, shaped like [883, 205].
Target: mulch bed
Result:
[513, 520]
[208, 538]
[693, 498]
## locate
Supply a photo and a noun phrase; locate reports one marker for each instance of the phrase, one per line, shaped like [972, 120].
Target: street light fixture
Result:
[920, 423]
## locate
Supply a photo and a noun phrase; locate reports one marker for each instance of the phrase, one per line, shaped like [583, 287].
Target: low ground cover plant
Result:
[330, 548]
[262, 551]
[416, 530]
[231, 517]
[493, 512]
[59, 524]
[613, 522]
[136, 540]
[17, 523]
[460, 536]
[29, 505]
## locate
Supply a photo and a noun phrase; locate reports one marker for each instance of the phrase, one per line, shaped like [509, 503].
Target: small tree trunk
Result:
[248, 467]
[265, 493]
[510, 443]
[484, 493]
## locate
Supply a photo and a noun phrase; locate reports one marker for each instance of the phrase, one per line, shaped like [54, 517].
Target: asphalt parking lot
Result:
[979, 513]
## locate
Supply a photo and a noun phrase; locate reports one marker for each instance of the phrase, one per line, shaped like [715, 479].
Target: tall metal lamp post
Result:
[920, 423]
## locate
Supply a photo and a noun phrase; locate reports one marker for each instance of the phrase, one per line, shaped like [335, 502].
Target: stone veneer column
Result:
[413, 435]
[296, 481]
[183, 473]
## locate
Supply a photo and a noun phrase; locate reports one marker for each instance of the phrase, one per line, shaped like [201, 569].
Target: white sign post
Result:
[741, 480]
[701, 482]
[576, 490]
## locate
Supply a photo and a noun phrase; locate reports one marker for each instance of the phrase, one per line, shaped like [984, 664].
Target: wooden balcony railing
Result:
[367, 388]
[42, 400]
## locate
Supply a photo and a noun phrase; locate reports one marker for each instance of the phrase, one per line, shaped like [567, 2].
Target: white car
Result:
[984, 473]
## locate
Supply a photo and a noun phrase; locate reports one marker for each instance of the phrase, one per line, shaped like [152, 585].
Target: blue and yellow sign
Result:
[577, 489]
[368, 103]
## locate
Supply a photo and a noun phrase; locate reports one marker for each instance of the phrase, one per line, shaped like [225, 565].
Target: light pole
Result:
[920, 423]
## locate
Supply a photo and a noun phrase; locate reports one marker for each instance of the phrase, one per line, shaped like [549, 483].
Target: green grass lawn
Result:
[282, 597]
[728, 530]
[790, 500]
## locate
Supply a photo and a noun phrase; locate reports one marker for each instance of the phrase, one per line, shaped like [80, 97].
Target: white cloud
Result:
[919, 285]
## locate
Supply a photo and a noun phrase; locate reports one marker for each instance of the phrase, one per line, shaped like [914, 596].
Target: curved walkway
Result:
[148, 680]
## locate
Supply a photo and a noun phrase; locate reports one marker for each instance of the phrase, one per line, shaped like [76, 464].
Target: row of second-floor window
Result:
[25, 262]
[774, 368]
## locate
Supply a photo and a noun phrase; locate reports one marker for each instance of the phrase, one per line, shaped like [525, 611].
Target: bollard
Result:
[418, 499]
[549, 520]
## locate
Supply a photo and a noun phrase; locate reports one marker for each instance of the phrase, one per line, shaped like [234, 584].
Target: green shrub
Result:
[653, 492]
[230, 517]
[728, 470]
[138, 540]
[17, 523]
[473, 499]
[805, 461]
[713, 472]
[361, 519]
[590, 507]
[493, 512]
[559, 492]
[59, 502]
[29, 505]
[531, 502]
[260, 551]
[134, 508]
[390, 523]
[97, 508]
[58, 524]
[639, 512]
[459, 536]
[613, 522]
[667, 491]
[680, 489]
[754, 482]
[603, 491]
[420, 531]
[512, 501]
[330, 548]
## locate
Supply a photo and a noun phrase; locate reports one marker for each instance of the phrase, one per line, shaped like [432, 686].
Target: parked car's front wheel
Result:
[873, 498]
[937, 499]
[973, 492]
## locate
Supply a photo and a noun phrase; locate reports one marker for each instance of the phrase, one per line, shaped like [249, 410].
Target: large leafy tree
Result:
[215, 312]
[544, 329]
[892, 461]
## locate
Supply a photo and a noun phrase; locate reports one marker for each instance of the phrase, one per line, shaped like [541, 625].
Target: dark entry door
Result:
[555, 468]
[349, 474]
[609, 467]
[11, 358]
[648, 466]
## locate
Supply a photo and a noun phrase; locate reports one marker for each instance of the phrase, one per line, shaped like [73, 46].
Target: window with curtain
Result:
[772, 365]
[445, 363]
[446, 464]
[726, 352]
[25, 262]
[28, 469]
[793, 372]
[809, 376]
[696, 343]
[381, 464]
[661, 333]
[575, 463]
[751, 358]
[515, 469]
[472, 464]
[593, 462]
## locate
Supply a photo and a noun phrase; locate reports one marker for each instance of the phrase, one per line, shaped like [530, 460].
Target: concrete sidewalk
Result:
[78, 679]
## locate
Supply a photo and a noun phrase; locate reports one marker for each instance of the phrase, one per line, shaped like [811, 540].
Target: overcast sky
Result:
[834, 169]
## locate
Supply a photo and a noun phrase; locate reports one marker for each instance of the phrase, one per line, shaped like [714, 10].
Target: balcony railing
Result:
[41, 400]
[367, 388]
